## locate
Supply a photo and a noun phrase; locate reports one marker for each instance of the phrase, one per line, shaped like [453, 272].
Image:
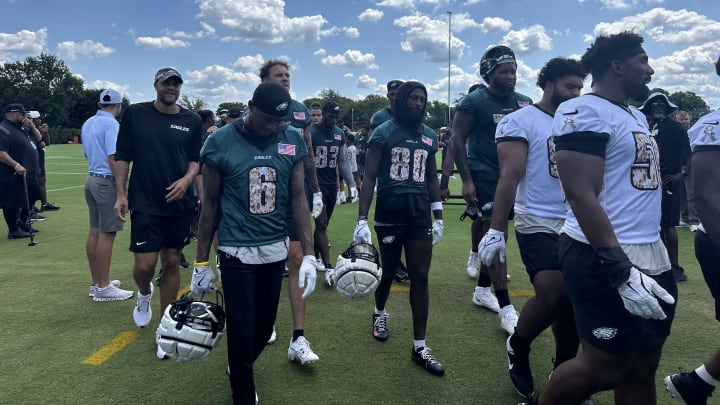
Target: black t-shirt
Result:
[673, 145]
[160, 146]
[19, 145]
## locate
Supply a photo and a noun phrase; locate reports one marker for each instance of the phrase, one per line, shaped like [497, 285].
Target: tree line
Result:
[46, 84]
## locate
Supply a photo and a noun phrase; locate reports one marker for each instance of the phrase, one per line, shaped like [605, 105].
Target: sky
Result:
[353, 47]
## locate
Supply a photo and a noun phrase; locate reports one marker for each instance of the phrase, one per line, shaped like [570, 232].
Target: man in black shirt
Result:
[163, 141]
[674, 148]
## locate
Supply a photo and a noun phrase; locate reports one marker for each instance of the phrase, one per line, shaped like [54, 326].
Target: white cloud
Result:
[104, 84]
[320, 52]
[71, 49]
[429, 37]
[366, 82]
[161, 42]
[22, 43]
[351, 58]
[624, 4]
[406, 3]
[495, 24]
[352, 32]
[371, 15]
[261, 22]
[348, 75]
[677, 27]
[528, 39]
[249, 63]
[463, 21]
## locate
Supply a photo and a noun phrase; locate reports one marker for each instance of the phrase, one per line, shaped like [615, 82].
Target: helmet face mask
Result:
[190, 329]
[358, 271]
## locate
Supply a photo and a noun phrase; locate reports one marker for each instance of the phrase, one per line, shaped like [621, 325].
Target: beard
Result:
[168, 99]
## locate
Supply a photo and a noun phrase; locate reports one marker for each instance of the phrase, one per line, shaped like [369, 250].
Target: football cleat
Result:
[380, 330]
[190, 329]
[472, 264]
[483, 297]
[423, 357]
[519, 369]
[357, 272]
[688, 389]
[301, 351]
[401, 273]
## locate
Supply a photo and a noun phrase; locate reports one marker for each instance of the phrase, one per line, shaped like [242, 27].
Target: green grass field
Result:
[52, 328]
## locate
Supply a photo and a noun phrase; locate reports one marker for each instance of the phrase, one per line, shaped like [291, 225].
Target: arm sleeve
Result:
[344, 165]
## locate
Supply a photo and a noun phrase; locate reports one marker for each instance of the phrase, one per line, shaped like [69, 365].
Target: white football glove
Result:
[203, 280]
[341, 197]
[362, 232]
[493, 242]
[353, 195]
[307, 270]
[437, 231]
[640, 295]
[317, 204]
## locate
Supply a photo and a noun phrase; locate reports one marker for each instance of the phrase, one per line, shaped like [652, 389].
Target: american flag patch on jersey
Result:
[299, 115]
[338, 137]
[427, 141]
[523, 104]
[286, 149]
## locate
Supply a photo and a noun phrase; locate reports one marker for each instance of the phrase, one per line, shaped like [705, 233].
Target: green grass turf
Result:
[51, 326]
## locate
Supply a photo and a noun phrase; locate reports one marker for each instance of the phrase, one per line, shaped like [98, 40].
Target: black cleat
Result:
[401, 273]
[183, 261]
[519, 369]
[18, 234]
[688, 388]
[425, 359]
[380, 330]
[48, 207]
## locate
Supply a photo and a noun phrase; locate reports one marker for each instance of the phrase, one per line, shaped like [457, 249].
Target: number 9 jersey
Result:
[619, 134]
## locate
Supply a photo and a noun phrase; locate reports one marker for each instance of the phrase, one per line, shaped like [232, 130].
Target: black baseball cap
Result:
[15, 107]
[331, 107]
[166, 73]
[394, 84]
[272, 99]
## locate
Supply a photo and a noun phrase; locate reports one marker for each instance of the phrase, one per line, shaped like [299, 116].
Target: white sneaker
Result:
[273, 338]
[93, 287]
[508, 318]
[142, 313]
[111, 293]
[472, 265]
[300, 350]
[483, 297]
[330, 276]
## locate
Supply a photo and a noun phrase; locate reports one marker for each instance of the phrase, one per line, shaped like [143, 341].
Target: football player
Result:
[616, 268]
[696, 386]
[474, 123]
[401, 157]
[528, 177]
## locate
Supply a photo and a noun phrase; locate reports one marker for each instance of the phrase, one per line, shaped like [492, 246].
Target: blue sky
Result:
[351, 46]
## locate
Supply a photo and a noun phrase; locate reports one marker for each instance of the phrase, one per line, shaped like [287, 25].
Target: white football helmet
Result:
[190, 329]
[358, 271]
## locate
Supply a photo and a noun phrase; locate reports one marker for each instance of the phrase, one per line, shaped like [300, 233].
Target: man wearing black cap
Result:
[162, 140]
[616, 269]
[475, 122]
[328, 141]
[386, 113]
[18, 153]
[253, 174]
[674, 147]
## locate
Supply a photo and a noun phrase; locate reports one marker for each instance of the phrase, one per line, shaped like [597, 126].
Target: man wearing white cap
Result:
[99, 135]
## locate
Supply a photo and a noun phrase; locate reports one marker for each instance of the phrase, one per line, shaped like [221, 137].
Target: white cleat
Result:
[472, 265]
[273, 337]
[301, 351]
[483, 297]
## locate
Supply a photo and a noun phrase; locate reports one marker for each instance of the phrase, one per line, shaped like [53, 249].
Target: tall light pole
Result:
[449, 13]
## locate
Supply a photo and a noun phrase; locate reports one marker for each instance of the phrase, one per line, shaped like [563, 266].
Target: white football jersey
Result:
[632, 191]
[706, 131]
[538, 192]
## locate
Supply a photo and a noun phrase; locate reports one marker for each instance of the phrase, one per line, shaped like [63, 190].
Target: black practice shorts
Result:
[394, 235]
[41, 161]
[150, 233]
[670, 210]
[539, 251]
[412, 209]
[485, 185]
[708, 255]
[600, 317]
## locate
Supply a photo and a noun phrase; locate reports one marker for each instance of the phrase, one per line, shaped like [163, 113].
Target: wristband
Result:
[437, 205]
[444, 181]
[201, 264]
[615, 263]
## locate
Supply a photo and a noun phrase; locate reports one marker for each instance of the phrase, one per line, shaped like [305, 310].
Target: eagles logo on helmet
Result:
[358, 271]
[190, 329]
